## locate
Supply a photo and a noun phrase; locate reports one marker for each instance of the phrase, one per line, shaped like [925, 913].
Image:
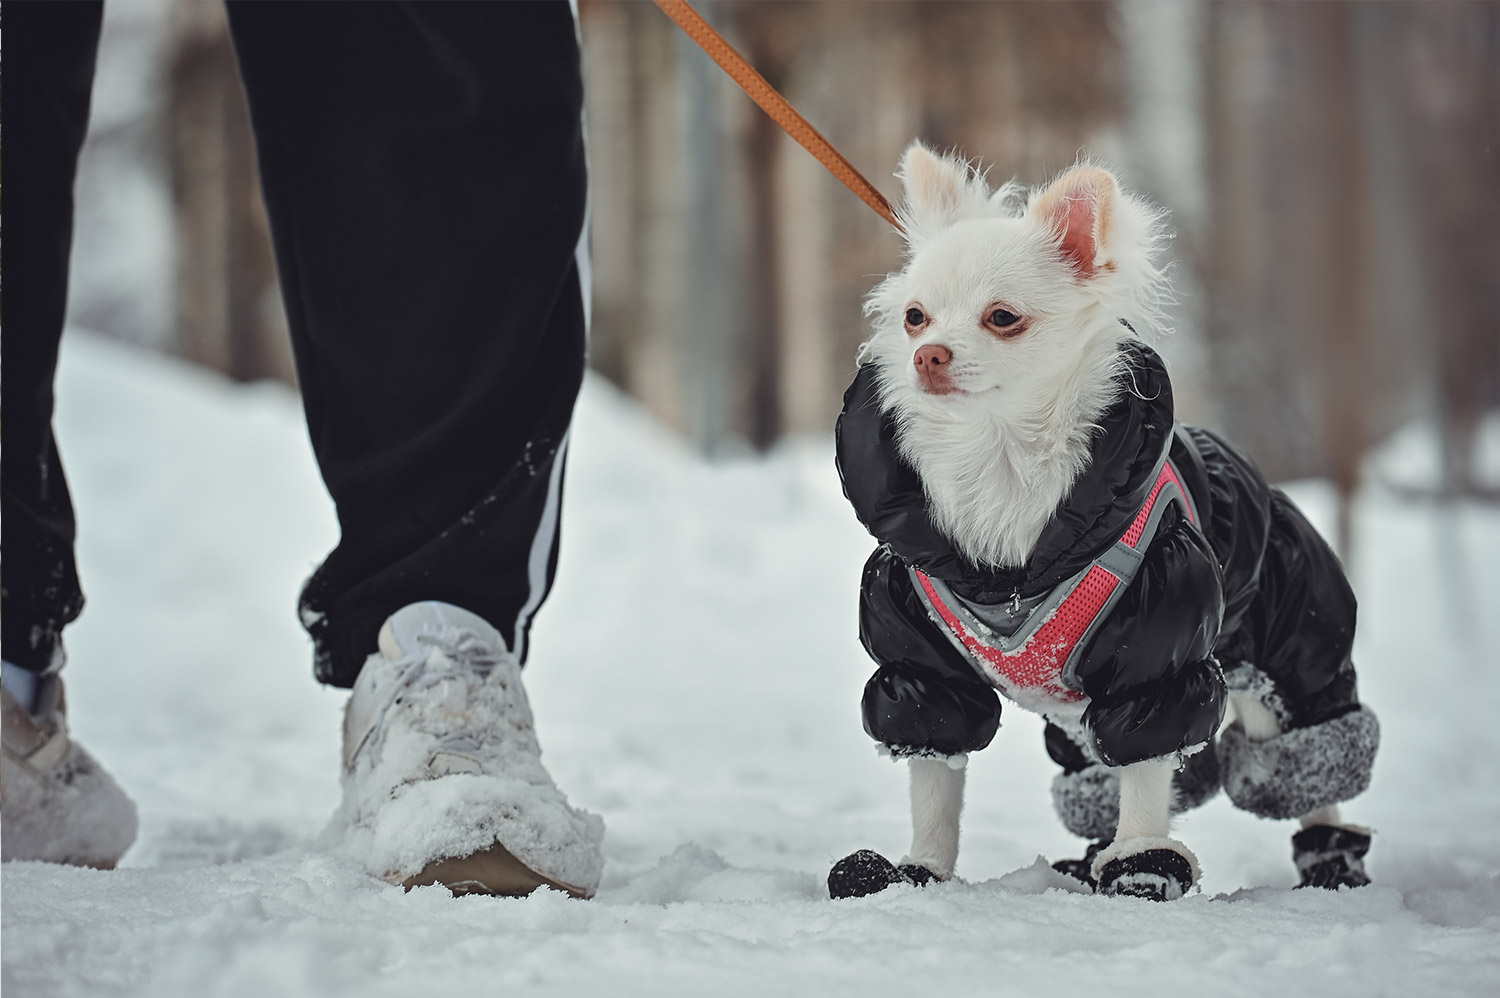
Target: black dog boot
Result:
[867, 872]
[1156, 874]
[1151, 868]
[1081, 870]
[1331, 856]
[917, 876]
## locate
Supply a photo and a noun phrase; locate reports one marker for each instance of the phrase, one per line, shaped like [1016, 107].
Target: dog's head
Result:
[1007, 295]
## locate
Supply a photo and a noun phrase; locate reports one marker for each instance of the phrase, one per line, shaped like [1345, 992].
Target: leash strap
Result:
[771, 102]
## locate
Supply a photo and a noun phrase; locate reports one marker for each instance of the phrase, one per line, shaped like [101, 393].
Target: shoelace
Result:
[461, 650]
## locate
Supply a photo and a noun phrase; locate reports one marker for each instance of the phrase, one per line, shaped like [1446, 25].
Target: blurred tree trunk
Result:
[763, 352]
[1445, 61]
[229, 313]
[1288, 265]
[1330, 231]
[1235, 264]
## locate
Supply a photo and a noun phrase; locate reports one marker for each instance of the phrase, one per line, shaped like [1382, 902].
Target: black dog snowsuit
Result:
[1185, 574]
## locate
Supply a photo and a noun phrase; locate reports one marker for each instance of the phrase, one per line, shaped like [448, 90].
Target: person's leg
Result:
[48, 75]
[423, 167]
[59, 805]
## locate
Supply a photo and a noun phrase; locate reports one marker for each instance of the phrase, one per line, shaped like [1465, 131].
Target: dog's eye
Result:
[915, 317]
[1001, 318]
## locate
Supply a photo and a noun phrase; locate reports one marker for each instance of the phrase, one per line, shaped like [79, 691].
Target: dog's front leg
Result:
[937, 801]
[1145, 799]
[1143, 861]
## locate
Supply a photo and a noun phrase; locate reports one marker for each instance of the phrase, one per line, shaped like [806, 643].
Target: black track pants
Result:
[48, 73]
[423, 168]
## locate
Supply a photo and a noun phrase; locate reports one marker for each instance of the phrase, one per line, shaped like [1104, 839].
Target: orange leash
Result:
[771, 102]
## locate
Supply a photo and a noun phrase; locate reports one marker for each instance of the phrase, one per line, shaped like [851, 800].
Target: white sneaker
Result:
[443, 778]
[58, 805]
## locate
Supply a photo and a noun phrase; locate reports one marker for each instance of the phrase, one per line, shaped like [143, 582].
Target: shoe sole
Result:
[494, 871]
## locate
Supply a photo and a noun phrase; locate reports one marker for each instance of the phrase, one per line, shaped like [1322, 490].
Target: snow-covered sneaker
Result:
[443, 777]
[57, 804]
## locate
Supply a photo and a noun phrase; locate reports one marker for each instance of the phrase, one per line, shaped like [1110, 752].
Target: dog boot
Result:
[59, 805]
[1331, 856]
[1155, 869]
[1081, 870]
[867, 872]
[443, 777]
[917, 875]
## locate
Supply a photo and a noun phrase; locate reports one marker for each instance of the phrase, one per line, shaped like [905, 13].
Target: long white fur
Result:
[1145, 799]
[937, 802]
[1258, 720]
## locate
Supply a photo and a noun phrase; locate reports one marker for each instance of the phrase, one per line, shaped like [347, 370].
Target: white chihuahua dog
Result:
[1048, 533]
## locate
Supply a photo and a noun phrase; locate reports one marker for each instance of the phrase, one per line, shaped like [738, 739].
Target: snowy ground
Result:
[696, 681]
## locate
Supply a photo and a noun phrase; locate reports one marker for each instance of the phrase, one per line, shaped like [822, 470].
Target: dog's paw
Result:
[1156, 869]
[867, 872]
[1331, 856]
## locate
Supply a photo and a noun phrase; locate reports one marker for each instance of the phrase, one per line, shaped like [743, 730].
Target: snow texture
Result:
[1301, 770]
[696, 680]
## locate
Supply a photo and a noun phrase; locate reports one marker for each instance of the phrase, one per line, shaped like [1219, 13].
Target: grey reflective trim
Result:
[1169, 491]
[1008, 617]
[1161, 463]
[942, 625]
[1187, 498]
[975, 616]
[1121, 561]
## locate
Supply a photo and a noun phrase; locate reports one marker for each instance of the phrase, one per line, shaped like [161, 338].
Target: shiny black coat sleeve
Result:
[925, 697]
[1149, 672]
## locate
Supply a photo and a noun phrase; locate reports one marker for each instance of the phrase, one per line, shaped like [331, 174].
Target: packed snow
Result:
[696, 678]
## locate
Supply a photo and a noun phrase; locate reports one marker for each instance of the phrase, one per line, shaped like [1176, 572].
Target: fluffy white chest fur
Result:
[995, 471]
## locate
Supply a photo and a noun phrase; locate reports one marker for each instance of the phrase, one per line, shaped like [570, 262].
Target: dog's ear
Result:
[939, 190]
[1079, 208]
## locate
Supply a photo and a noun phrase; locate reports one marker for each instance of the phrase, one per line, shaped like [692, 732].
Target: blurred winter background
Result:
[1333, 173]
[1332, 169]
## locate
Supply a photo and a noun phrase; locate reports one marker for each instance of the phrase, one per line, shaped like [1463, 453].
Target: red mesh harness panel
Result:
[1035, 669]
